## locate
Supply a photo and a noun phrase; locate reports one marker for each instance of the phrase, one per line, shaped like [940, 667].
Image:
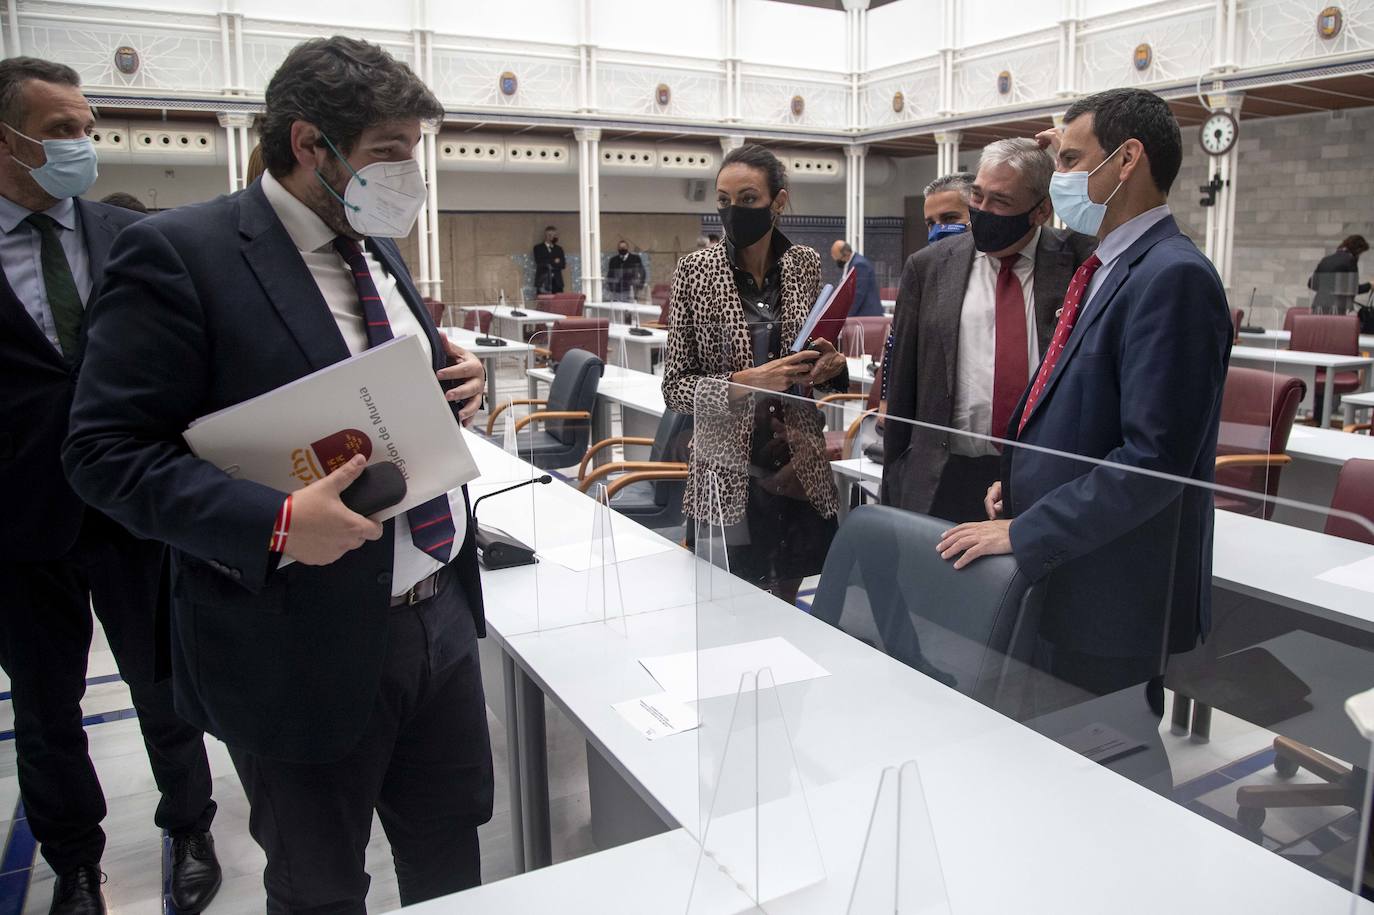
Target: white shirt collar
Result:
[306, 229]
[1027, 250]
[12, 215]
[1128, 233]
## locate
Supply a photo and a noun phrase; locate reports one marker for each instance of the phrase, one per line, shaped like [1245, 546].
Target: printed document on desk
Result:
[722, 667]
[384, 403]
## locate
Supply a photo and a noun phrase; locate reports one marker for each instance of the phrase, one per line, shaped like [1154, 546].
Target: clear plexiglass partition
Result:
[1143, 686]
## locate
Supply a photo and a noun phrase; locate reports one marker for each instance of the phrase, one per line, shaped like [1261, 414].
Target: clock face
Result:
[1219, 134]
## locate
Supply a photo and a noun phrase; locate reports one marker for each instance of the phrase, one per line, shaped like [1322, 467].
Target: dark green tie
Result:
[63, 298]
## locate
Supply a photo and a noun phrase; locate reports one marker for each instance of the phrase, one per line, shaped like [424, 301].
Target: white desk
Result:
[1318, 455]
[636, 351]
[467, 339]
[620, 312]
[1304, 365]
[998, 793]
[1351, 403]
[639, 396]
[889, 305]
[1279, 339]
[505, 323]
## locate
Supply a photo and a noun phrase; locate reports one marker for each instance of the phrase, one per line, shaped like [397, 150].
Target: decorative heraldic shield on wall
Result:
[126, 60]
[509, 83]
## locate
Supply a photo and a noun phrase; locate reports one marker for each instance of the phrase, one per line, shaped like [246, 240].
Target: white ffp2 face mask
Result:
[382, 200]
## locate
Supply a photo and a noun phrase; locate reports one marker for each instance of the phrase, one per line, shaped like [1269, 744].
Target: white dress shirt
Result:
[21, 257]
[315, 241]
[977, 355]
[1115, 245]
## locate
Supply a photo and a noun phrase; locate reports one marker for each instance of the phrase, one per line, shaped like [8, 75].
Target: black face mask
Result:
[624, 251]
[840, 263]
[995, 232]
[745, 225]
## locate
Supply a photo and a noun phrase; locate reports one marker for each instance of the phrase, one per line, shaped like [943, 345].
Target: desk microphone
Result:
[517, 313]
[489, 341]
[497, 549]
[1250, 310]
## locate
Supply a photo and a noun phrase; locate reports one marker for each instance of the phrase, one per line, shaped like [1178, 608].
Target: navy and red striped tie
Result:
[431, 523]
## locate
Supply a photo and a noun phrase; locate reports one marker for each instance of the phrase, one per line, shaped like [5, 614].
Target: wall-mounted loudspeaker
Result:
[696, 190]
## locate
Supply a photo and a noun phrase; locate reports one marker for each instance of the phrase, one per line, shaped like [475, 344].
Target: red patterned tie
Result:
[1068, 316]
[1011, 365]
[431, 523]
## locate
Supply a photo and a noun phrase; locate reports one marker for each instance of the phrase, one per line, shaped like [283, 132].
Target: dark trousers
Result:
[962, 488]
[423, 763]
[45, 638]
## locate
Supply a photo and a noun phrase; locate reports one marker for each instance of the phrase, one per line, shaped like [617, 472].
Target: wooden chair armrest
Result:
[1359, 427]
[853, 430]
[836, 398]
[1252, 460]
[491, 419]
[606, 470]
[641, 476]
[653, 325]
[543, 352]
[608, 443]
[544, 415]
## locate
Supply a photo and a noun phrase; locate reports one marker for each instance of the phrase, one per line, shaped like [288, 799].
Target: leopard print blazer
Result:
[708, 339]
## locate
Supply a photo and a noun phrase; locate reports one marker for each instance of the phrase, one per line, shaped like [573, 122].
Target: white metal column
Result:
[947, 152]
[236, 126]
[854, 185]
[14, 47]
[431, 145]
[589, 209]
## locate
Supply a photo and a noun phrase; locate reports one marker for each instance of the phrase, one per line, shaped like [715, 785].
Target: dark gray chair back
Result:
[574, 388]
[671, 443]
[973, 629]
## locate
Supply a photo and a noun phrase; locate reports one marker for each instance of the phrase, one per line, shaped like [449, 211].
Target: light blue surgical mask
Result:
[1069, 194]
[70, 169]
[944, 230]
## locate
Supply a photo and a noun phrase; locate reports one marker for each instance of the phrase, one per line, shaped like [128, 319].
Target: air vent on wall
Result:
[686, 160]
[192, 142]
[471, 149]
[111, 140]
[616, 157]
[814, 168]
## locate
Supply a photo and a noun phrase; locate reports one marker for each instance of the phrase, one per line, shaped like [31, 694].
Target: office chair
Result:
[436, 310]
[649, 491]
[888, 293]
[566, 417]
[562, 303]
[1293, 314]
[1257, 413]
[1337, 334]
[884, 584]
[477, 319]
[590, 334]
[1237, 318]
[1355, 494]
[871, 334]
[839, 442]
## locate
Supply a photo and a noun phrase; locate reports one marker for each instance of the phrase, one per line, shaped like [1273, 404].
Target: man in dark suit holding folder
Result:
[348, 680]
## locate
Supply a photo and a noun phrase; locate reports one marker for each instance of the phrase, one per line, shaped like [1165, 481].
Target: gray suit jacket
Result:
[925, 349]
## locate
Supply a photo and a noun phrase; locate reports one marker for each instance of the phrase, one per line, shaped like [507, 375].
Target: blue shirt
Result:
[21, 257]
[1115, 245]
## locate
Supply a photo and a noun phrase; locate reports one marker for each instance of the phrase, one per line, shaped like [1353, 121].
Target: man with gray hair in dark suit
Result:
[973, 316]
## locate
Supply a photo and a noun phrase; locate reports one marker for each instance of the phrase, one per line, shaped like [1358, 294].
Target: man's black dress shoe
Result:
[77, 892]
[195, 872]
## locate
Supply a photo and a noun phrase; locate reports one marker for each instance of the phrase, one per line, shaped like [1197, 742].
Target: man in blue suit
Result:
[59, 559]
[346, 682]
[868, 301]
[1132, 381]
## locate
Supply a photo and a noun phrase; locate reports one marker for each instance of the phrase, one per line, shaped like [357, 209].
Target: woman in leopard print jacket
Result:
[759, 465]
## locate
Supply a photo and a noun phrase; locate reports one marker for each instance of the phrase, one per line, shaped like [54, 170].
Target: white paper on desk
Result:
[658, 716]
[721, 668]
[1358, 575]
[582, 555]
[1101, 744]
